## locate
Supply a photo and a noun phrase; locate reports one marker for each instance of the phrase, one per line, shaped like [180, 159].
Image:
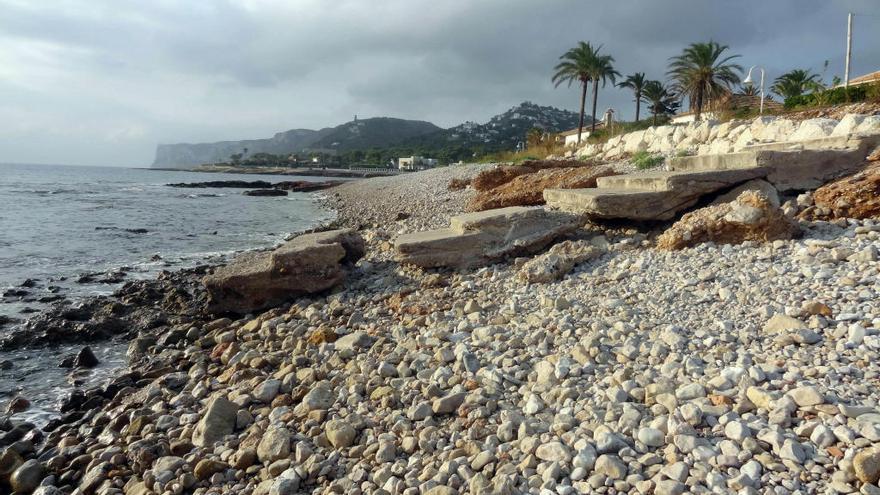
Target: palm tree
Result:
[794, 83]
[703, 73]
[659, 99]
[636, 83]
[749, 90]
[585, 65]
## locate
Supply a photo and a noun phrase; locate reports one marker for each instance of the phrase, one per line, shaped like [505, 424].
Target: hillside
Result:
[505, 130]
[360, 134]
[394, 136]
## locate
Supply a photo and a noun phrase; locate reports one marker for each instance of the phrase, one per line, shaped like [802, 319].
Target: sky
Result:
[102, 82]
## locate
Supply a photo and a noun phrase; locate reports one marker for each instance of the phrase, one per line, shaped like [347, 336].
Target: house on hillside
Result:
[731, 102]
[570, 137]
[416, 163]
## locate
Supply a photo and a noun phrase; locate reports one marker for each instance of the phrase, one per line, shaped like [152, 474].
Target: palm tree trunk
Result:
[699, 104]
[654, 118]
[595, 100]
[583, 104]
[638, 105]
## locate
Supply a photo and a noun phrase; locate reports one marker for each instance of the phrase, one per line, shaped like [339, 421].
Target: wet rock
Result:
[27, 477]
[265, 192]
[85, 358]
[18, 405]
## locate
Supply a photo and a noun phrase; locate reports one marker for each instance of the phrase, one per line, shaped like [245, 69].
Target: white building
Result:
[416, 163]
[570, 138]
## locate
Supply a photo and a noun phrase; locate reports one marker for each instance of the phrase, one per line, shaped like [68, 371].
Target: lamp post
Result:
[748, 80]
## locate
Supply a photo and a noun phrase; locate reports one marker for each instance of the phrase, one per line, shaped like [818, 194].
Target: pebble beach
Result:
[747, 368]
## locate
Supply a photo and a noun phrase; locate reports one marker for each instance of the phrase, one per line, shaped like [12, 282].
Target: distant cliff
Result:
[361, 134]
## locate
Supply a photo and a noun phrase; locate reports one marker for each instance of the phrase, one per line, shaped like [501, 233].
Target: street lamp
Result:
[748, 80]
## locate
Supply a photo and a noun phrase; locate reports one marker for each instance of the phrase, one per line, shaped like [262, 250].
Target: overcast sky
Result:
[101, 82]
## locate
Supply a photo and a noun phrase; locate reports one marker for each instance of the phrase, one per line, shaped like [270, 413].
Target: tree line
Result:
[703, 72]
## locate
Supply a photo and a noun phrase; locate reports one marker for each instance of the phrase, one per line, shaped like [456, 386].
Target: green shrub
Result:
[834, 96]
[644, 160]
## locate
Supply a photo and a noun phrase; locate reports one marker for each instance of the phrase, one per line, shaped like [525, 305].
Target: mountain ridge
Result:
[503, 131]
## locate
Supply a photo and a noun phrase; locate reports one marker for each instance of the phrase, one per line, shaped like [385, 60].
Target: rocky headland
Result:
[731, 349]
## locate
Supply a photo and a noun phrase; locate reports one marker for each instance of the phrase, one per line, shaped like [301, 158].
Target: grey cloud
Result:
[114, 77]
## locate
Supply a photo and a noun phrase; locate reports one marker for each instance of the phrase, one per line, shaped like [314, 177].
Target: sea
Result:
[66, 230]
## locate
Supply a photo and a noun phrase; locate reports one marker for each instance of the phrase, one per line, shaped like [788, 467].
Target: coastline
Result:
[337, 390]
[298, 172]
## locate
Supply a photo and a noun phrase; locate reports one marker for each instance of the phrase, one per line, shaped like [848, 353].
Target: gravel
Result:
[708, 370]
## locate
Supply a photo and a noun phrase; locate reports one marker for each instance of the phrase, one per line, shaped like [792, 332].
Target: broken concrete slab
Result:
[647, 196]
[307, 264]
[475, 239]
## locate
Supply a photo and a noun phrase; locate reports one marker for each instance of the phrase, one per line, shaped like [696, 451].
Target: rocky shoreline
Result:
[748, 368]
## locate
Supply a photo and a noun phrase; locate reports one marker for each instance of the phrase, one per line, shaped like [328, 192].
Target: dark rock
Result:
[290, 185]
[86, 358]
[265, 192]
[6, 365]
[238, 184]
[73, 401]
[9, 462]
[15, 434]
[67, 361]
[27, 477]
[15, 293]
[18, 405]
[29, 283]
[134, 307]
[172, 337]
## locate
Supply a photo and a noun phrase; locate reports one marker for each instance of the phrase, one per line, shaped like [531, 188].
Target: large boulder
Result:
[855, 196]
[307, 264]
[813, 129]
[475, 239]
[869, 125]
[528, 189]
[634, 142]
[752, 217]
[772, 129]
[848, 124]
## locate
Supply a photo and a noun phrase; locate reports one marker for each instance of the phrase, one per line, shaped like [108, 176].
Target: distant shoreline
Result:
[307, 172]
